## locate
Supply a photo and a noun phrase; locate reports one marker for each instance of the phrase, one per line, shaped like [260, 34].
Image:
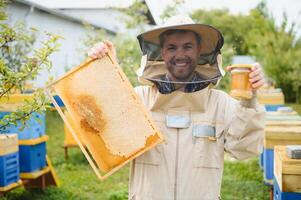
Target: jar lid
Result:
[249, 66]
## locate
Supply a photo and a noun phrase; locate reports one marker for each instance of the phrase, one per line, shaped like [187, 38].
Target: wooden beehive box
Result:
[106, 114]
[8, 144]
[283, 123]
[283, 119]
[287, 171]
[282, 135]
[271, 98]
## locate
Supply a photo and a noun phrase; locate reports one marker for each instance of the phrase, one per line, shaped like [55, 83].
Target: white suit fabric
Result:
[189, 166]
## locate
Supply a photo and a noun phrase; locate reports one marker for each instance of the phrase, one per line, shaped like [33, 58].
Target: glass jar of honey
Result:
[240, 85]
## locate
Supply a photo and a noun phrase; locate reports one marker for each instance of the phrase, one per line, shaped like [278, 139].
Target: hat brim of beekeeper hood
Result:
[209, 61]
[211, 38]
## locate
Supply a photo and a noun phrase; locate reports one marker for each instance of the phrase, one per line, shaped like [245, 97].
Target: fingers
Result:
[258, 84]
[228, 68]
[109, 44]
[111, 47]
[99, 50]
[256, 76]
[255, 70]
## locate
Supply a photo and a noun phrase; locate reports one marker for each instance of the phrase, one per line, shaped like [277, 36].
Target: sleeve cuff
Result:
[250, 103]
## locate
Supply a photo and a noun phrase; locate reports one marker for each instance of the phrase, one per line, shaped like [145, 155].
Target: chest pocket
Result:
[208, 146]
[206, 153]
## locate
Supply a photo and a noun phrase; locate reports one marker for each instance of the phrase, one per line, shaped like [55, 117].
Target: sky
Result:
[275, 7]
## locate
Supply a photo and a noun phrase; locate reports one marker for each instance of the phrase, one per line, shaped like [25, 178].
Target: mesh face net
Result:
[207, 63]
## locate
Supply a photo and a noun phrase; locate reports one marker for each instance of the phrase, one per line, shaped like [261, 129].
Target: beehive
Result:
[278, 134]
[287, 171]
[282, 135]
[16, 98]
[9, 160]
[32, 154]
[279, 113]
[272, 108]
[106, 113]
[34, 128]
[58, 101]
[8, 144]
[270, 97]
[283, 119]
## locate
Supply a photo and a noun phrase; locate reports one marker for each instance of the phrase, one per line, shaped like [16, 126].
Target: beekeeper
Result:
[180, 66]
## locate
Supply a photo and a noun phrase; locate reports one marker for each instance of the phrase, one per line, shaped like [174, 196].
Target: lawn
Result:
[241, 180]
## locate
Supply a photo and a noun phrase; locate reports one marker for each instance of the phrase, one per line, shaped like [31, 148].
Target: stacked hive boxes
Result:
[35, 126]
[32, 154]
[32, 139]
[281, 129]
[9, 161]
[271, 98]
[287, 173]
[59, 102]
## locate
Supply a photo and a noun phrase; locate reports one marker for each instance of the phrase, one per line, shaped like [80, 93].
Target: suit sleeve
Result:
[244, 130]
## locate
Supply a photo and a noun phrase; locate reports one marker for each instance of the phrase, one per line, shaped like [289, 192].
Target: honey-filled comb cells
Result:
[113, 125]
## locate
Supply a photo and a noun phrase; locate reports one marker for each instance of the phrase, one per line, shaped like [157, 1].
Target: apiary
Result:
[113, 125]
[272, 98]
[277, 135]
[9, 160]
[287, 173]
[32, 154]
[35, 126]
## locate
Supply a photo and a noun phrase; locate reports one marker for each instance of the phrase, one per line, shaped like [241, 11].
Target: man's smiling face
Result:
[180, 52]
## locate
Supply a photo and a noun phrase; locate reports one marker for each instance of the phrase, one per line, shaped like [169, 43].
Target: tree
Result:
[20, 63]
[171, 9]
[256, 34]
[128, 52]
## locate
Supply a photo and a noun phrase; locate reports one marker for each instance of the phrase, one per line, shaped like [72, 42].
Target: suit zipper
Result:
[176, 166]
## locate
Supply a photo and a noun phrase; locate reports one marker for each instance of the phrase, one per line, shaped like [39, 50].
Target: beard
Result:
[181, 69]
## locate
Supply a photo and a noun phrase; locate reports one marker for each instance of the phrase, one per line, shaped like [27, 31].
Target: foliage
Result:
[279, 50]
[93, 36]
[136, 13]
[128, 52]
[171, 9]
[19, 63]
[256, 34]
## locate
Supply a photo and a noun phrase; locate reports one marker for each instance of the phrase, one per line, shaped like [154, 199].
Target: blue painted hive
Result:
[32, 154]
[35, 126]
[9, 159]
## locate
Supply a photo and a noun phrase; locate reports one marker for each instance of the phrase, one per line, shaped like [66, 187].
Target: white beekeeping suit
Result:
[198, 126]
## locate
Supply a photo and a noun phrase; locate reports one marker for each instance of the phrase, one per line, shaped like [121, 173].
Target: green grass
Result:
[77, 179]
[241, 180]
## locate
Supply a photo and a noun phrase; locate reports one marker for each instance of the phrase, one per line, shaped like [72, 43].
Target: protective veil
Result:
[209, 62]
